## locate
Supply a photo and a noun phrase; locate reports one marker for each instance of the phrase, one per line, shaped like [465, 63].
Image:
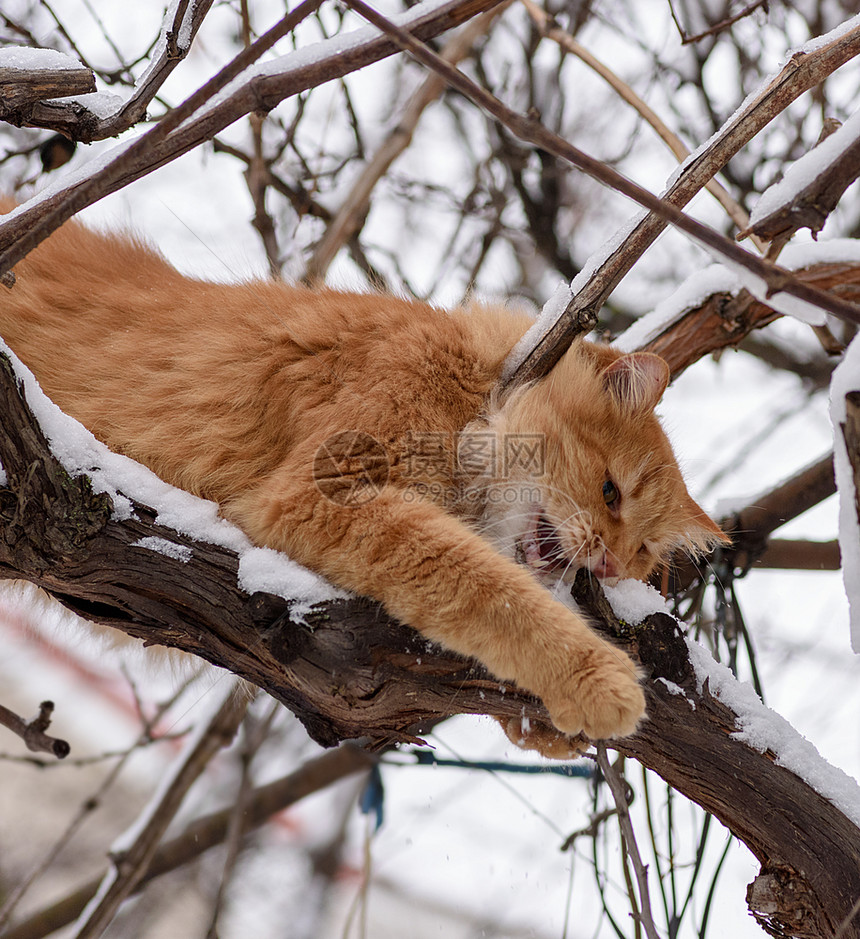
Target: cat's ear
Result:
[700, 532]
[637, 380]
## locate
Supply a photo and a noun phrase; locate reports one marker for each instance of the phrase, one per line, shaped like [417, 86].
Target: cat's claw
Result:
[544, 738]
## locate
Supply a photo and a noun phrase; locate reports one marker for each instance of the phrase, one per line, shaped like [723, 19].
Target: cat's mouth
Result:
[542, 549]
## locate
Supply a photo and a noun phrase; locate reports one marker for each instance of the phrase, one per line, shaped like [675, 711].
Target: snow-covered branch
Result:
[213, 108]
[604, 270]
[347, 670]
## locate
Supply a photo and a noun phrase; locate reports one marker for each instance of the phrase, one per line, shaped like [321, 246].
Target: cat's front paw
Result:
[602, 697]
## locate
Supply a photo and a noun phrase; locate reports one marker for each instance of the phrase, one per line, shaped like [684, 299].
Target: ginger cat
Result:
[358, 434]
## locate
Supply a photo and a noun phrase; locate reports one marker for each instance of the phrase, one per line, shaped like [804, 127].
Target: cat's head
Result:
[584, 474]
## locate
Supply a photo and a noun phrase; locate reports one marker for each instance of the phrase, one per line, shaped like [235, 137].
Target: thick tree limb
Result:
[347, 670]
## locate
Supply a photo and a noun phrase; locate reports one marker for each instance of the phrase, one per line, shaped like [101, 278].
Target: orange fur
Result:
[235, 392]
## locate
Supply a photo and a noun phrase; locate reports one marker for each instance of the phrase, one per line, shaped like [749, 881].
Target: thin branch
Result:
[751, 526]
[207, 832]
[680, 150]
[616, 787]
[800, 555]
[32, 732]
[350, 216]
[131, 864]
[723, 24]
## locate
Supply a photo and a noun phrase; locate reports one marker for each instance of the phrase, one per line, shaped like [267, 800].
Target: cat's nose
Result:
[606, 567]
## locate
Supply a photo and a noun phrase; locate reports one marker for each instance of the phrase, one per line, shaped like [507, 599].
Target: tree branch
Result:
[131, 863]
[802, 72]
[810, 206]
[180, 131]
[722, 320]
[32, 732]
[21, 88]
[347, 670]
[206, 832]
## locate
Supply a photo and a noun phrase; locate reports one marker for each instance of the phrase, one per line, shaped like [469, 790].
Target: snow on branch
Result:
[208, 111]
[811, 187]
[603, 271]
[28, 76]
[845, 417]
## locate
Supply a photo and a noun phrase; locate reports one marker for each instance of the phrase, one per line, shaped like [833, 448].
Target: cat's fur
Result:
[237, 392]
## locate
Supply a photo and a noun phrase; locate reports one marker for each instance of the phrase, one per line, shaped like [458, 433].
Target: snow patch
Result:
[846, 378]
[763, 729]
[676, 689]
[35, 60]
[179, 552]
[692, 293]
[633, 600]
[102, 104]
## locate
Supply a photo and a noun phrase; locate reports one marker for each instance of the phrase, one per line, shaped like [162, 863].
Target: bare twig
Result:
[616, 787]
[255, 734]
[130, 865]
[349, 218]
[32, 732]
[257, 175]
[208, 831]
[679, 149]
[718, 27]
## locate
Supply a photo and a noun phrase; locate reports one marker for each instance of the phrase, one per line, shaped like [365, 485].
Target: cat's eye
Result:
[611, 494]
